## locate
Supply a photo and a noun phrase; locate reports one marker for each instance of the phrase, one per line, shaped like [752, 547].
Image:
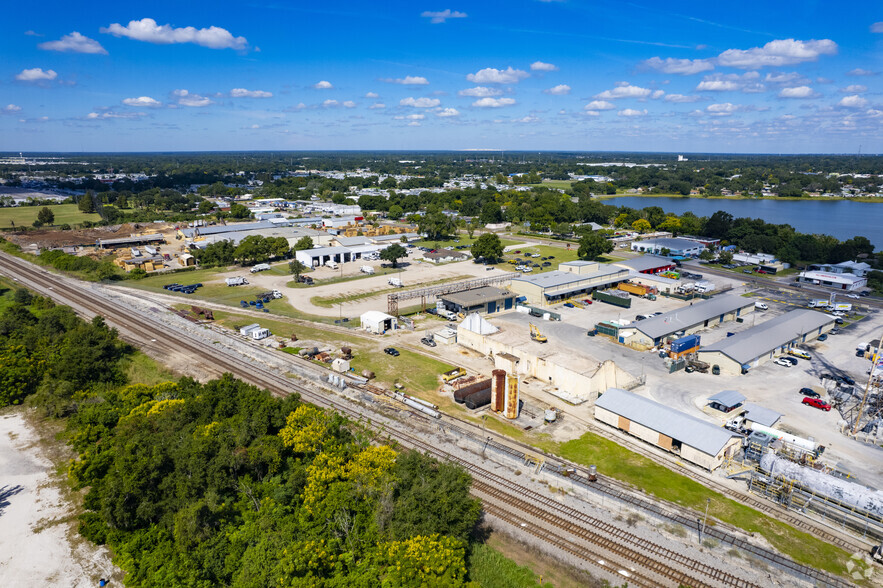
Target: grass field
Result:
[26, 215]
[463, 240]
[489, 567]
[616, 461]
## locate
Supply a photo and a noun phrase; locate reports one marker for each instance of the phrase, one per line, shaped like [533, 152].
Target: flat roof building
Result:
[129, 241]
[486, 299]
[762, 342]
[840, 281]
[676, 247]
[693, 439]
[647, 264]
[571, 279]
[687, 320]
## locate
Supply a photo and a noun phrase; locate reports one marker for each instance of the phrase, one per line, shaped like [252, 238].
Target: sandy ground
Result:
[39, 545]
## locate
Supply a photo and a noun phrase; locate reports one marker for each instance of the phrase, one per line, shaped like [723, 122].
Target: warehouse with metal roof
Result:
[486, 299]
[687, 320]
[570, 279]
[693, 439]
[762, 342]
[647, 264]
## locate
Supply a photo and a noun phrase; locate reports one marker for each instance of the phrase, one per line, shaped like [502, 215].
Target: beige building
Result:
[573, 278]
[694, 440]
[759, 344]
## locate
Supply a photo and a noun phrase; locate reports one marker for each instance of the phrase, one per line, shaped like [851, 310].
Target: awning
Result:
[760, 415]
[728, 398]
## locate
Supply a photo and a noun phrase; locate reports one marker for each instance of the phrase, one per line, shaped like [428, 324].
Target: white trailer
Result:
[366, 269]
[237, 281]
[397, 282]
[260, 267]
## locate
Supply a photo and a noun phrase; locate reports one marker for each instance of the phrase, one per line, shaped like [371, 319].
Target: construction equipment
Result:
[536, 335]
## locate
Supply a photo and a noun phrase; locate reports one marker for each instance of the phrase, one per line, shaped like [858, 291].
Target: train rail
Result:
[643, 553]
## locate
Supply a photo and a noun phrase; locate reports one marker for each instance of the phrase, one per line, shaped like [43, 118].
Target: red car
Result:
[816, 403]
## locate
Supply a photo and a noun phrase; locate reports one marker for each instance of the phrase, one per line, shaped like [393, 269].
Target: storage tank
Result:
[498, 390]
[512, 404]
[837, 488]
[478, 399]
[786, 437]
[461, 394]
[551, 415]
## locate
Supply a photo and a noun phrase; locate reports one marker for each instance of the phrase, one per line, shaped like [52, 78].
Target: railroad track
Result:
[513, 493]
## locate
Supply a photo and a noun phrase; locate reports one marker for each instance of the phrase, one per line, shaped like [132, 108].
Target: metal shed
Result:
[726, 400]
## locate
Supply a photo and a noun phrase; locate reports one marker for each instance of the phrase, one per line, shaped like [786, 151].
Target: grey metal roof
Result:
[761, 415]
[688, 316]
[557, 278]
[689, 430]
[645, 262]
[319, 251]
[134, 239]
[218, 229]
[727, 398]
[672, 243]
[468, 298]
[577, 263]
[575, 289]
[352, 241]
[761, 339]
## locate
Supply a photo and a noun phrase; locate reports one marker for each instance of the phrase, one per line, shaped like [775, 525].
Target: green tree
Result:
[296, 268]
[593, 245]
[395, 211]
[23, 296]
[303, 243]
[471, 226]
[239, 211]
[205, 207]
[725, 257]
[487, 246]
[393, 254]
[46, 216]
[85, 204]
[706, 254]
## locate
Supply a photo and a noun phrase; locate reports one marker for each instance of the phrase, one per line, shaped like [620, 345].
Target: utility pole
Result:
[861, 407]
[707, 502]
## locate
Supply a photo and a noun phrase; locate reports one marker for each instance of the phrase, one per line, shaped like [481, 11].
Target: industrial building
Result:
[573, 278]
[130, 241]
[694, 440]
[839, 280]
[648, 264]
[486, 299]
[762, 342]
[378, 322]
[684, 321]
[290, 234]
[676, 247]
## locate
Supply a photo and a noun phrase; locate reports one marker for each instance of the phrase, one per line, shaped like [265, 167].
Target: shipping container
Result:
[684, 343]
[636, 289]
[615, 297]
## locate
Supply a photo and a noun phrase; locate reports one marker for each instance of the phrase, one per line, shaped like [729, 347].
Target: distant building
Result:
[676, 247]
[575, 278]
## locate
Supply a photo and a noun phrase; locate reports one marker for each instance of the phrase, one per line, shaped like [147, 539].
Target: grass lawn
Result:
[489, 567]
[554, 184]
[143, 369]
[463, 240]
[618, 462]
[26, 215]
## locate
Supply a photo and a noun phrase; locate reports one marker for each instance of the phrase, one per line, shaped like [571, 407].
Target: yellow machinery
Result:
[536, 335]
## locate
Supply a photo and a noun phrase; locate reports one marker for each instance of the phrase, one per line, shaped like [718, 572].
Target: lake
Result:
[843, 219]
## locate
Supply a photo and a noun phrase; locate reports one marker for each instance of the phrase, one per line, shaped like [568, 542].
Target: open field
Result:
[26, 215]
[462, 239]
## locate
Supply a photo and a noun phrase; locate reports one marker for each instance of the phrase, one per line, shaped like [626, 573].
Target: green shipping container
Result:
[611, 299]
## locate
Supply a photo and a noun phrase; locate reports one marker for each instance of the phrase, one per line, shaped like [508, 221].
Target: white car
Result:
[783, 362]
[839, 313]
[853, 296]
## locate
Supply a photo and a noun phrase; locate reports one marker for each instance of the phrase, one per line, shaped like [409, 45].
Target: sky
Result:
[516, 75]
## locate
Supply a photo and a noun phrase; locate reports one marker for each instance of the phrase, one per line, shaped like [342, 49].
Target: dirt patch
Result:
[50, 238]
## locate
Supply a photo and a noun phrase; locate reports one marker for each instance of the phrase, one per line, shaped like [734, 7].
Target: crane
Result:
[536, 335]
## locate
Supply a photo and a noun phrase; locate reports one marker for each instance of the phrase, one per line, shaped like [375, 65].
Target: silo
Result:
[498, 390]
[512, 397]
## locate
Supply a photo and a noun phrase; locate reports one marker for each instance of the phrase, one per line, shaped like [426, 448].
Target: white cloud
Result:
[10, 108]
[36, 74]
[600, 105]
[147, 30]
[854, 89]
[683, 67]
[243, 93]
[420, 102]
[442, 16]
[109, 115]
[411, 117]
[349, 104]
[323, 85]
[632, 112]
[329, 103]
[717, 86]
[854, 101]
[657, 94]
[540, 66]
[414, 124]
[861, 72]
[185, 98]
[592, 113]
[681, 98]
[559, 90]
[526, 119]
[725, 109]
[372, 95]
[623, 90]
[407, 81]
[797, 92]
[777, 53]
[877, 27]
[74, 43]
[480, 92]
[142, 101]
[377, 106]
[493, 102]
[490, 75]
[785, 78]
[446, 112]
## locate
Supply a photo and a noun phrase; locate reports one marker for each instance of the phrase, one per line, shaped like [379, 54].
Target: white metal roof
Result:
[727, 398]
[689, 430]
[688, 316]
[375, 316]
[761, 415]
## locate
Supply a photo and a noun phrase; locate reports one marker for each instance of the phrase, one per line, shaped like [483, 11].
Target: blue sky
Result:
[771, 77]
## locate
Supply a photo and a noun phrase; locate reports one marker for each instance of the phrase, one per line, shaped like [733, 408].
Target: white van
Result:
[761, 306]
[331, 264]
[366, 269]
